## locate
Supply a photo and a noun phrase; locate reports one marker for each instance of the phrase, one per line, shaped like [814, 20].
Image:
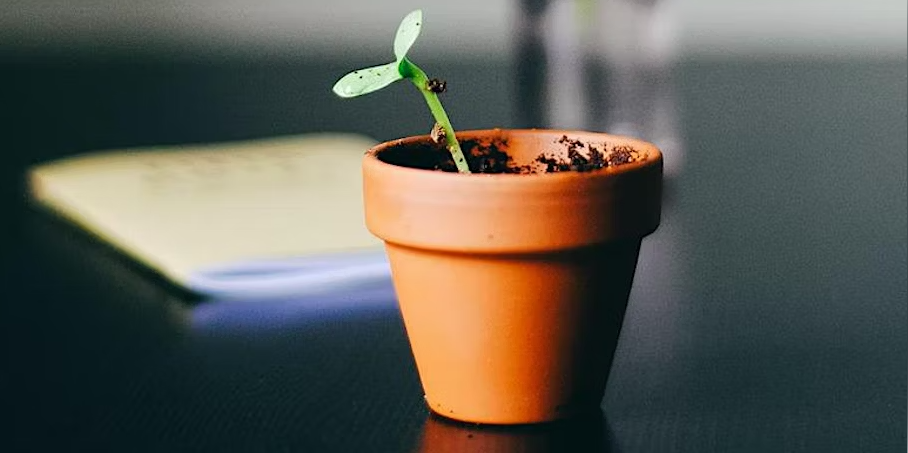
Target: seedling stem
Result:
[374, 78]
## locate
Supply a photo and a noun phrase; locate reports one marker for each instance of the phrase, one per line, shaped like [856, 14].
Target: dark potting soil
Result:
[597, 157]
[489, 157]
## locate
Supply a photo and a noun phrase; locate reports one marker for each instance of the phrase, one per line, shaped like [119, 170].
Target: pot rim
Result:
[508, 213]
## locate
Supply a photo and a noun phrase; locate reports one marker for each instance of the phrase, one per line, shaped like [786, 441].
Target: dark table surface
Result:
[768, 313]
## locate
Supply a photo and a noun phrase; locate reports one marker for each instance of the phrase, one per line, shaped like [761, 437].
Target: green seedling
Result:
[367, 80]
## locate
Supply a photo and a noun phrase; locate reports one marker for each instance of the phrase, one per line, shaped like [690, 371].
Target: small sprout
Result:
[367, 80]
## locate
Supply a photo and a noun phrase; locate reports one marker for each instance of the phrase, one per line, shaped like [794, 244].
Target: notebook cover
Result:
[181, 209]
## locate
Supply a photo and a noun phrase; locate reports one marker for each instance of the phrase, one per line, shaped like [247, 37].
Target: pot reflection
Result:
[582, 434]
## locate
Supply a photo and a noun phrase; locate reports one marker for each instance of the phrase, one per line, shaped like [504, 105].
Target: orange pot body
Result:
[513, 288]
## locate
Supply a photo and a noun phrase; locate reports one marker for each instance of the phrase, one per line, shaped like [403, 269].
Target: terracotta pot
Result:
[512, 287]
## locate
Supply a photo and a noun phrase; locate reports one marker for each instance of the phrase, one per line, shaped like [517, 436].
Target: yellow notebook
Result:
[262, 217]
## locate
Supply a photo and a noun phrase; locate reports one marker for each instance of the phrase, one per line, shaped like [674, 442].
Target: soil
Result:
[489, 157]
[437, 85]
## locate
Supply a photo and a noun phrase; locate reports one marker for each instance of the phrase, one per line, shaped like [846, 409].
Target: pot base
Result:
[530, 339]
[558, 413]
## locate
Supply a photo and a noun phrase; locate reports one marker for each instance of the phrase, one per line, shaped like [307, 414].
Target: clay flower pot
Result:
[513, 287]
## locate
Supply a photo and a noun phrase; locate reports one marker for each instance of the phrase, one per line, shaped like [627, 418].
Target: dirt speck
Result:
[437, 85]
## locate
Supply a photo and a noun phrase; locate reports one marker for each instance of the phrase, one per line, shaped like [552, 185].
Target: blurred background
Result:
[466, 28]
[86, 74]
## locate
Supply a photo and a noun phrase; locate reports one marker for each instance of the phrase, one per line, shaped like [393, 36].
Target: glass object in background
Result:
[603, 65]
[549, 55]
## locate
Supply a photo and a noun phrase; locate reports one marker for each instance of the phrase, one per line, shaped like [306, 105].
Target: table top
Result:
[768, 312]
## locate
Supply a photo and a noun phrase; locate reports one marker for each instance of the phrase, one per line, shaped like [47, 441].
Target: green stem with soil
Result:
[416, 75]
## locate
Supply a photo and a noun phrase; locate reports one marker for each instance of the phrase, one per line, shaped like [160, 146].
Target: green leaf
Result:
[407, 33]
[367, 80]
